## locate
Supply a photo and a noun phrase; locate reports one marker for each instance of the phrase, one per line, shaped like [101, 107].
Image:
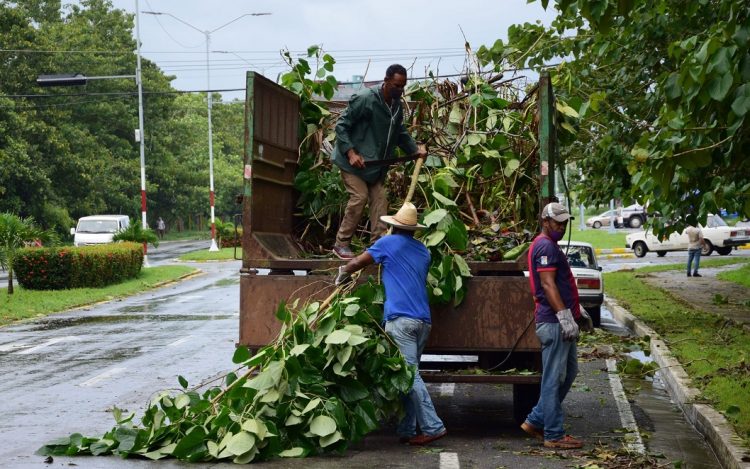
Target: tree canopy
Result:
[662, 88]
[67, 152]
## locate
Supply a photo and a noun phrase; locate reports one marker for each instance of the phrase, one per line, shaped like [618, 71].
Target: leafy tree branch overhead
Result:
[663, 90]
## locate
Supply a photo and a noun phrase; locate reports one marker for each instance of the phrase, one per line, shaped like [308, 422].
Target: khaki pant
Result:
[360, 192]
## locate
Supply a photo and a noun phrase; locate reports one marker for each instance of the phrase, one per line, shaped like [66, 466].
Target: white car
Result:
[98, 229]
[717, 234]
[588, 275]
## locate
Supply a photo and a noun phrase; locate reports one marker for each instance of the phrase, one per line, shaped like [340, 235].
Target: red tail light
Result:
[589, 283]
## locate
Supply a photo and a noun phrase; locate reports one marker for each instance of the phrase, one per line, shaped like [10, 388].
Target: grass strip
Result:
[740, 276]
[599, 238]
[23, 304]
[713, 351]
[224, 254]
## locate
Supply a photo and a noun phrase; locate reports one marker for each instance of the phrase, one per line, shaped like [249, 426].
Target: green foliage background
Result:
[71, 153]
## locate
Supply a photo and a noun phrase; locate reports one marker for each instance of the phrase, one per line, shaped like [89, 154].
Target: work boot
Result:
[566, 442]
[343, 252]
[696, 274]
[689, 274]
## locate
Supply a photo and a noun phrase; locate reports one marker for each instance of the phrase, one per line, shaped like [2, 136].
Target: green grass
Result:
[23, 304]
[202, 255]
[713, 352]
[740, 276]
[186, 235]
[720, 262]
[600, 238]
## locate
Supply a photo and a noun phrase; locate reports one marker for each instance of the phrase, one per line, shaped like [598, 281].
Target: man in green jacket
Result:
[369, 130]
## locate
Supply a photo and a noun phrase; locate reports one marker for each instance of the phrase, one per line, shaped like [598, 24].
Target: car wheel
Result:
[597, 225]
[596, 315]
[661, 253]
[635, 222]
[640, 249]
[724, 251]
[707, 248]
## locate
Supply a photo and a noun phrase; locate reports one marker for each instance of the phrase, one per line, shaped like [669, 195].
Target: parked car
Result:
[98, 229]
[717, 234]
[588, 274]
[604, 219]
[633, 216]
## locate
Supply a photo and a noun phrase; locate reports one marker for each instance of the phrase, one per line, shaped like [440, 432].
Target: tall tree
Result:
[662, 88]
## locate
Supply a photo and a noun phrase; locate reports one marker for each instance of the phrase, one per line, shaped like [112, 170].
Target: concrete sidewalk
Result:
[699, 292]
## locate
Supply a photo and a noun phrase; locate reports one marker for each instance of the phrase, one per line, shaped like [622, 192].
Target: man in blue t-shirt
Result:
[405, 262]
[556, 298]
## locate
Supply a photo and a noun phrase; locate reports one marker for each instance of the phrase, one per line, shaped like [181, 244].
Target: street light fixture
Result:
[207, 34]
[78, 79]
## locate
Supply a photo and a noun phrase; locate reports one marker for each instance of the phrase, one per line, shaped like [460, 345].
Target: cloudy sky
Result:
[424, 33]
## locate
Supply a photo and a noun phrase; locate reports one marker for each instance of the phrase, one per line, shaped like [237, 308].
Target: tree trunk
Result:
[10, 280]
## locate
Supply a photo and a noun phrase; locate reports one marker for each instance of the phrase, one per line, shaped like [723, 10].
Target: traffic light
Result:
[70, 79]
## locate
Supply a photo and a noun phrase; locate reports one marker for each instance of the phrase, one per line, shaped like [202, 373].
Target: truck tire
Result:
[596, 315]
[525, 397]
[635, 222]
[640, 249]
[707, 248]
[724, 251]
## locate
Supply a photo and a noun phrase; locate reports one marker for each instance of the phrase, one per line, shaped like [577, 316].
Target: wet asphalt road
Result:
[64, 373]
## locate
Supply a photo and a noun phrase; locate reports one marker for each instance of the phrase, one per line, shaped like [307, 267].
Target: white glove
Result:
[342, 277]
[568, 326]
[585, 322]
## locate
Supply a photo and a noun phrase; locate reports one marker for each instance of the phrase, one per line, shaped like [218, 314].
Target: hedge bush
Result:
[78, 267]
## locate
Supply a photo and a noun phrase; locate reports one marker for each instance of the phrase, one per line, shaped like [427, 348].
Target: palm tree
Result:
[137, 234]
[15, 233]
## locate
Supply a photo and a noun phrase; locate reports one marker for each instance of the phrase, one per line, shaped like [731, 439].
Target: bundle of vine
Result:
[331, 377]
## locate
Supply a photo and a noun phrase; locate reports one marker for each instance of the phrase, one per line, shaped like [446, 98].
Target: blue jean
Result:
[559, 369]
[694, 254]
[411, 336]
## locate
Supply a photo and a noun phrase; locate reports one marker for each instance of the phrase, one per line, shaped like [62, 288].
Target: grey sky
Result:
[352, 31]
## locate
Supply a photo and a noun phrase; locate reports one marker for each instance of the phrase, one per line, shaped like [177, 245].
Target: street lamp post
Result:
[207, 34]
[78, 79]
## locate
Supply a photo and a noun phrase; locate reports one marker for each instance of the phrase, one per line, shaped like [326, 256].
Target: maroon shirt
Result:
[545, 255]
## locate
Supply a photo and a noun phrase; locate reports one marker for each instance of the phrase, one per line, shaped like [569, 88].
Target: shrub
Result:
[225, 233]
[78, 267]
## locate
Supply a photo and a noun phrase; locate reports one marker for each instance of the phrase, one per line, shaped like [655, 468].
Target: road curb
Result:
[613, 251]
[710, 423]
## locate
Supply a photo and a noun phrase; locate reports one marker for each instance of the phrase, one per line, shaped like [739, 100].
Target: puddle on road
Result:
[59, 323]
[226, 282]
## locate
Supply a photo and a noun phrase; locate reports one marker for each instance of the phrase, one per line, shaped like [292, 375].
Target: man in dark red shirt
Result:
[557, 307]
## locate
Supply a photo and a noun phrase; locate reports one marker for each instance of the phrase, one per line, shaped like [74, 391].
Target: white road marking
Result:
[186, 298]
[180, 341]
[447, 389]
[9, 347]
[449, 461]
[68, 338]
[102, 376]
[633, 441]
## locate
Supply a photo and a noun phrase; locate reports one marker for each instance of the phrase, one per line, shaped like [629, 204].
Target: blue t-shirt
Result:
[406, 262]
[545, 255]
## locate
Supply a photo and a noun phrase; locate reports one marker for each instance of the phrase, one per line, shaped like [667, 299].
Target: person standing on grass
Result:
[405, 262]
[695, 246]
[557, 307]
[369, 130]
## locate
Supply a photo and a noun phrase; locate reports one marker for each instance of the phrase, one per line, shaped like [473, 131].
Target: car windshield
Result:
[608, 213]
[580, 256]
[97, 226]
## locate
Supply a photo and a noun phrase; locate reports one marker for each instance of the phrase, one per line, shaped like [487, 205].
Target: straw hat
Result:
[405, 218]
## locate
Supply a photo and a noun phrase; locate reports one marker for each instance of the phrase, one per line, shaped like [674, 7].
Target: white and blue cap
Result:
[557, 212]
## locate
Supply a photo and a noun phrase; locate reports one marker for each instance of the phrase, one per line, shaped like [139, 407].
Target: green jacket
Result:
[369, 126]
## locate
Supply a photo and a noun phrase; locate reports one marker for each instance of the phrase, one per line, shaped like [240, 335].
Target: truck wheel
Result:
[724, 251]
[635, 222]
[597, 225]
[661, 253]
[525, 397]
[596, 315]
[640, 249]
[707, 248]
